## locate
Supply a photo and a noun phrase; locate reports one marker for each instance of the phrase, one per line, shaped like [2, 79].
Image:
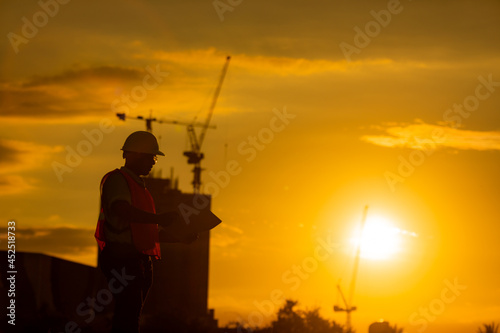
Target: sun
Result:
[379, 240]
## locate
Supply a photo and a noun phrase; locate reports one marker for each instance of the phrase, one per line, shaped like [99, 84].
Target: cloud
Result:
[82, 93]
[86, 94]
[58, 240]
[23, 155]
[18, 156]
[270, 65]
[76, 75]
[14, 184]
[227, 239]
[424, 136]
[8, 154]
[75, 93]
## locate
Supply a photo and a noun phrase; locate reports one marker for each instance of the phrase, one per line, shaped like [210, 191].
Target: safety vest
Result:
[144, 236]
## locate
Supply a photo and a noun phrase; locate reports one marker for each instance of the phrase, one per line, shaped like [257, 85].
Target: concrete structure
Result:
[52, 293]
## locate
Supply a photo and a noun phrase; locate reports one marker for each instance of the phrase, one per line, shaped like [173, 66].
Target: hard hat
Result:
[142, 142]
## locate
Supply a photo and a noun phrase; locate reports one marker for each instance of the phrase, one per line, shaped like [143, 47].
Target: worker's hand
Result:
[190, 238]
[166, 219]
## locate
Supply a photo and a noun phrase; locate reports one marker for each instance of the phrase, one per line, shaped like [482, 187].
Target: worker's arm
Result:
[130, 214]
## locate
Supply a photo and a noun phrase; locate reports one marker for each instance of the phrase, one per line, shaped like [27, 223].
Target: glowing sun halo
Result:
[379, 240]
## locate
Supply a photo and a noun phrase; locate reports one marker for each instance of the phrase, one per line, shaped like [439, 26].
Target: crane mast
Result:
[195, 155]
[348, 308]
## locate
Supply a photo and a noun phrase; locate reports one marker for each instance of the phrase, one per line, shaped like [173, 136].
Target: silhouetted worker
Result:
[127, 230]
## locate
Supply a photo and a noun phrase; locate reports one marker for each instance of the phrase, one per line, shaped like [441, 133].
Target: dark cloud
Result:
[17, 156]
[20, 102]
[75, 75]
[54, 240]
[73, 93]
[8, 154]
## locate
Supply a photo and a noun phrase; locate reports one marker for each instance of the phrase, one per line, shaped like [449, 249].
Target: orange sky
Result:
[327, 106]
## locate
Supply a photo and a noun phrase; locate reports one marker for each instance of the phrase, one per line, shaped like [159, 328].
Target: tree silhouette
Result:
[396, 329]
[337, 328]
[291, 321]
[288, 320]
[493, 328]
[317, 324]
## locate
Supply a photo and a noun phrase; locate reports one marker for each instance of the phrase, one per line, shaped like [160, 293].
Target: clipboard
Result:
[192, 221]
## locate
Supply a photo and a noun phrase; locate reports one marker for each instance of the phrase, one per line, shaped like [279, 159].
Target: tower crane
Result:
[149, 121]
[348, 307]
[194, 155]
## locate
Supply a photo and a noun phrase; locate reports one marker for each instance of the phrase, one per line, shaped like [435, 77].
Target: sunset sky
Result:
[327, 106]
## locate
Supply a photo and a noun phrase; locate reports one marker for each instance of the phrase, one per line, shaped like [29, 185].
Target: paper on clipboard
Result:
[194, 222]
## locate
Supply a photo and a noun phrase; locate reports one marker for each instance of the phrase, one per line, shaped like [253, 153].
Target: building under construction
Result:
[180, 290]
[55, 295]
